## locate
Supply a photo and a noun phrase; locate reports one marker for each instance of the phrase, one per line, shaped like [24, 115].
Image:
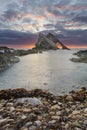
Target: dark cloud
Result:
[73, 37]
[82, 19]
[10, 37]
[13, 5]
[10, 14]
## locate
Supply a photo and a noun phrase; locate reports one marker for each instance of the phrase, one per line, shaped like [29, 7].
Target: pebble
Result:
[85, 123]
[28, 124]
[85, 110]
[52, 121]
[69, 98]
[23, 117]
[45, 113]
[26, 110]
[56, 117]
[12, 109]
[67, 126]
[58, 113]
[76, 124]
[75, 112]
[38, 123]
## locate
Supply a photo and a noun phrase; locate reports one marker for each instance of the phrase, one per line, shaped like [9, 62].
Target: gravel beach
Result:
[40, 110]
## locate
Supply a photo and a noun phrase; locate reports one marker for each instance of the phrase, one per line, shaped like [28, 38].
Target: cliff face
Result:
[45, 43]
[48, 42]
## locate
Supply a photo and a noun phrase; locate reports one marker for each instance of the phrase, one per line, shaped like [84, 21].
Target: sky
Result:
[21, 21]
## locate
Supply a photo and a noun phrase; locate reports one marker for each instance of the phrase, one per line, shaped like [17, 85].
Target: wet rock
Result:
[85, 110]
[69, 98]
[23, 117]
[76, 124]
[3, 121]
[26, 110]
[38, 123]
[55, 107]
[28, 124]
[12, 109]
[75, 112]
[32, 117]
[52, 122]
[85, 123]
[58, 113]
[67, 126]
[33, 128]
[56, 117]
[80, 95]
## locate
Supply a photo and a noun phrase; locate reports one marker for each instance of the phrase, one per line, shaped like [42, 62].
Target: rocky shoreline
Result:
[82, 56]
[6, 60]
[40, 110]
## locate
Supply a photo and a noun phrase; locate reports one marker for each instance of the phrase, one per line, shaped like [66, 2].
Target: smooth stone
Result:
[39, 117]
[33, 128]
[23, 117]
[67, 126]
[76, 124]
[9, 104]
[85, 122]
[52, 122]
[10, 120]
[69, 98]
[54, 102]
[12, 109]
[28, 124]
[52, 113]
[58, 113]
[56, 117]
[85, 110]
[26, 110]
[62, 123]
[76, 128]
[76, 112]
[32, 116]
[2, 121]
[0, 117]
[55, 107]
[24, 129]
[38, 123]
[85, 115]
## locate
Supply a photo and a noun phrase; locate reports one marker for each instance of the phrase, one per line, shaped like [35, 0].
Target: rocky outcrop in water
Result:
[82, 56]
[48, 42]
[7, 58]
[45, 43]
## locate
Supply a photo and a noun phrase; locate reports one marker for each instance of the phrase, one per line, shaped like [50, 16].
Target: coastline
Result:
[7, 60]
[41, 110]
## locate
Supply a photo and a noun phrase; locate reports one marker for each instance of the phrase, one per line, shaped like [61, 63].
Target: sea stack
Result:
[48, 42]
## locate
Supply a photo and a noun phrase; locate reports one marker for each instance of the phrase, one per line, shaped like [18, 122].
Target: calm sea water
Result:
[50, 70]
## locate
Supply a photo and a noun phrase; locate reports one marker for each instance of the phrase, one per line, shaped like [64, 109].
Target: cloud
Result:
[10, 37]
[65, 18]
[82, 19]
[74, 37]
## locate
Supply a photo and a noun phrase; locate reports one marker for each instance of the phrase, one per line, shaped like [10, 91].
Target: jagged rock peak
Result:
[48, 42]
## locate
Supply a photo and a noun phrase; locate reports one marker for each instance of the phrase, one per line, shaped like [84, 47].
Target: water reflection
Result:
[49, 70]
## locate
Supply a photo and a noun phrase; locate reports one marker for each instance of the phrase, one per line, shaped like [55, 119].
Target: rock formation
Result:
[49, 42]
[45, 43]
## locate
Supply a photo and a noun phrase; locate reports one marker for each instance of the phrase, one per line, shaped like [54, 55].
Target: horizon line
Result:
[32, 46]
